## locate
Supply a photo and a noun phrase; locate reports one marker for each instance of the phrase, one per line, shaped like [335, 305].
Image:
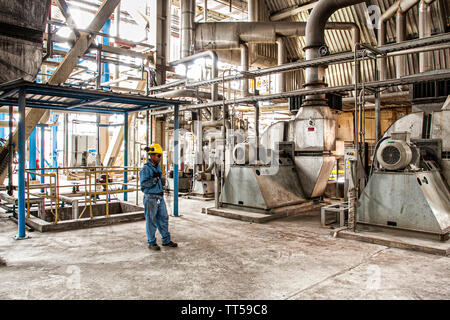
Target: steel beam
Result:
[125, 155]
[83, 42]
[21, 175]
[175, 160]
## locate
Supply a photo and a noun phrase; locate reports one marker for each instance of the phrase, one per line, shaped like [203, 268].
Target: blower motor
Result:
[397, 153]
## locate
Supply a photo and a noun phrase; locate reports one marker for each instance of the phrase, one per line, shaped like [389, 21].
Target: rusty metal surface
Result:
[22, 24]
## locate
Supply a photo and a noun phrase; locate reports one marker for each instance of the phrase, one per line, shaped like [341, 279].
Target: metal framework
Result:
[25, 94]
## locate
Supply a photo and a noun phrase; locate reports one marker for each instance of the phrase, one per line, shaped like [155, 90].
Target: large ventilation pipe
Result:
[315, 45]
[281, 81]
[244, 65]
[400, 61]
[424, 31]
[214, 70]
[229, 35]
[187, 27]
[400, 6]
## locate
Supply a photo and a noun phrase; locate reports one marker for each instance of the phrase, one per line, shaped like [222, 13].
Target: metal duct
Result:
[214, 70]
[187, 27]
[244, 65]
[424, 31]
[315, 45]
[399, 6]
[281, 81]
[400, 61]
[229, 35]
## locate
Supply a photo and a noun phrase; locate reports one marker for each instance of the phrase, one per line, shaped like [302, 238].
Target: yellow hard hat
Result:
[155, 148]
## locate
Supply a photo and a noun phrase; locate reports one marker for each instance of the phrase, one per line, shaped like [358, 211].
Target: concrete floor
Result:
[217, 258]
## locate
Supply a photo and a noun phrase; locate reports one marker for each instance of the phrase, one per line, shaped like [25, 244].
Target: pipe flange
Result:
[323, 51]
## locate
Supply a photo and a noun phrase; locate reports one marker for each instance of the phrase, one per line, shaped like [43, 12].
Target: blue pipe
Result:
[21, 175]
[32, 157]
[2, 130]
[55, 141]
[125, 155]
[42, 150]
[106, 29]
[175, 160]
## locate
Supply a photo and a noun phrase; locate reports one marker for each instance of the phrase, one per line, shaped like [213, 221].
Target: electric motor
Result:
[394, 154]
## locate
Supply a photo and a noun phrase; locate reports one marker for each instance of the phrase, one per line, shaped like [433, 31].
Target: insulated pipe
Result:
[244, 65]
[252, 10]
[229, 35]
[400, 61]
[403, 6]
[281, 78]
[424, 31]
[315, 45]
[214, 70]
[187, 27]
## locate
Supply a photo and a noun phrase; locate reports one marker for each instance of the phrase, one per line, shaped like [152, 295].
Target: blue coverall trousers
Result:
[156, 217]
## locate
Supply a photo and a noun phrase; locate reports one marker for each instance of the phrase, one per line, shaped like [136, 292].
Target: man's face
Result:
[155, 158]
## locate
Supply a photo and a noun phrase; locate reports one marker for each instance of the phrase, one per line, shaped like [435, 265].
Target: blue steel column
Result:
[42, 160]
[106, 30]
[32, 157]
[175, 161]
[125, 155]
[2, 130]
[21, 175]
[55, 141]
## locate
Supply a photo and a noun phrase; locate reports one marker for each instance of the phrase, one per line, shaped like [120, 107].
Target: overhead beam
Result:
[292, 11]
[62, 6]
[82, 44]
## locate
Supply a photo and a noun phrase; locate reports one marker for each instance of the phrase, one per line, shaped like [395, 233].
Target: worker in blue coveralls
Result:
[152, 183]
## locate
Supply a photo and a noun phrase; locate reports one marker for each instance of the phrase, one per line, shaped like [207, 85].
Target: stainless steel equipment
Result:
[409, 185]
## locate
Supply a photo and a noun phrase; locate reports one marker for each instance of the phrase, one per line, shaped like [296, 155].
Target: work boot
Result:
[171, 244]
[154, 247]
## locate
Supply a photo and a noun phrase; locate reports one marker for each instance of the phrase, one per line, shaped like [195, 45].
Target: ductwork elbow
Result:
[318, 19]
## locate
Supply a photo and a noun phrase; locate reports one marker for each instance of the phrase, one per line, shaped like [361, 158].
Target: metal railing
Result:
[98, 181]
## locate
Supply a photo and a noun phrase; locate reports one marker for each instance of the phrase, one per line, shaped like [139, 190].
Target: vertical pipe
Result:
[281, 81]
[99, 67]
[10, 152]
[125, 155]
[32, 157]
[21, 175]
[424, 31]
[98, 134]
[175, 160]
[2, 130]
[106, 30]
[205, 18]
[42, 160]
[187, 27]
[117, 24]
[401, 36]
[382, 41]
[55, 141]
[377, 108]
[147, 128]
[257, 129]
[244, 65]
[66, 141]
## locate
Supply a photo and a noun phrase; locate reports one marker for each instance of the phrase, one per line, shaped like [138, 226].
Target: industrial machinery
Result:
[408, 188]
[298, 163]
[266, 186]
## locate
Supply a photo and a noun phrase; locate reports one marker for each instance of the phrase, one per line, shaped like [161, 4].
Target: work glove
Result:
[158, 175]
[163, 180]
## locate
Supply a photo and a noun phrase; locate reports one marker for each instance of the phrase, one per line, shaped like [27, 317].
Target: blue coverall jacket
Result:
[149, 174]
[156, 216]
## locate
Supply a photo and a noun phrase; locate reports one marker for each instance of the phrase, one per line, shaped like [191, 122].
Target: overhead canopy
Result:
[66, 98]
